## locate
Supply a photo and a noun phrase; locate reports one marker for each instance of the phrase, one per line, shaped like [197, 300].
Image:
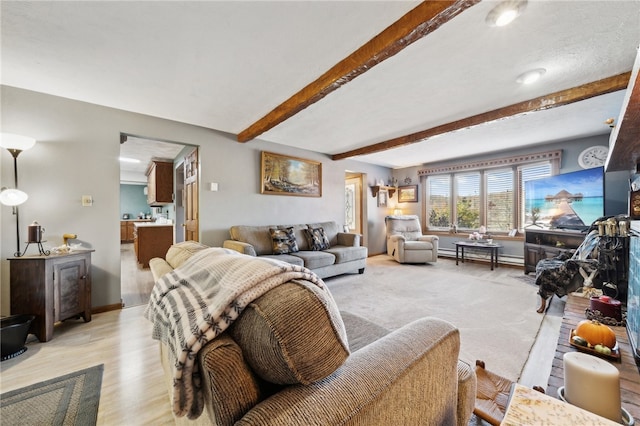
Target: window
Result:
[439, 196]
[467, 190]
[500, 200]
[492, 194]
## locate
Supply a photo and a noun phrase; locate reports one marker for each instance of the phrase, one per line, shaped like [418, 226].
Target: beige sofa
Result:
[286, 361]
[343, 254]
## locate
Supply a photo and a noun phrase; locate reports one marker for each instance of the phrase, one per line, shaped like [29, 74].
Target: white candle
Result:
[593, 384]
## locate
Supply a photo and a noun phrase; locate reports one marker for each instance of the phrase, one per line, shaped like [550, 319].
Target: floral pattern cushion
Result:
[317, 239]
[283, 241]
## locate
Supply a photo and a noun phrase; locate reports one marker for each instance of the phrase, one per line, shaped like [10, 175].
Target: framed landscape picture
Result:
[285, 175]
[408, 194]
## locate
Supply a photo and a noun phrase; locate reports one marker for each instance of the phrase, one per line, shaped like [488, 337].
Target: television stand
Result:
[548, 243]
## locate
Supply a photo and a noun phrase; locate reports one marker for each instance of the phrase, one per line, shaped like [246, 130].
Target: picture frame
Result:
[513, 232]
[286, 175]
[408, 194]
[383, 198]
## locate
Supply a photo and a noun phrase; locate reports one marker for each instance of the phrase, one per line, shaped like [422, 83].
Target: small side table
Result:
[492, 248]
[53, 288]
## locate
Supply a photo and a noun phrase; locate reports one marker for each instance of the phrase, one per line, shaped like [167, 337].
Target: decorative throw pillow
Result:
[317, 239]
[283, 241]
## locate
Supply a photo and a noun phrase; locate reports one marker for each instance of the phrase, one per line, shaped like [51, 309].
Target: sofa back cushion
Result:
[258, 236]
[292, 334]
[331, 230]
[178, 253]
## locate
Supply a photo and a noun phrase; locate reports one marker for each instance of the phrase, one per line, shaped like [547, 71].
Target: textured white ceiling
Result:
[223, 65]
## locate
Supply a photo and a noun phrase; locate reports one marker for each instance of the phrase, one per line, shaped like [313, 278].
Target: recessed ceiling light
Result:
[128, 160]
[505, 12]
[530, 76]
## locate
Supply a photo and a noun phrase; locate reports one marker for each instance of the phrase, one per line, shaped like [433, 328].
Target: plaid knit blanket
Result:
[199, 300]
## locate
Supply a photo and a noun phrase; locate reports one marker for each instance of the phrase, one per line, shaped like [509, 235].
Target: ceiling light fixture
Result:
[505, 12]
[128, 160]
[530, 76]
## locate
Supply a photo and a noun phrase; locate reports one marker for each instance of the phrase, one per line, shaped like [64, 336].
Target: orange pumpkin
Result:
[596, 333]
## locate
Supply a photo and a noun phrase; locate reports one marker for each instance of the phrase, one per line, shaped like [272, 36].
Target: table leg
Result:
[457, 246]
[491, 250]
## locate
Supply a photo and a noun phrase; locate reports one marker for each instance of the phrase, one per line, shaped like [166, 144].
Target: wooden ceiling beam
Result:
[416, 24]
[563, 97]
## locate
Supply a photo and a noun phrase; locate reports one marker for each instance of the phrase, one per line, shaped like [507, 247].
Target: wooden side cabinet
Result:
[53, 288]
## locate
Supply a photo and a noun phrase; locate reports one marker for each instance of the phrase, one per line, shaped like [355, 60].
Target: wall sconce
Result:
[15, 144]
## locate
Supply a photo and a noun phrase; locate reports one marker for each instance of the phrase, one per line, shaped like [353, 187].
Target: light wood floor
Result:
[133, 389]
[136, 282]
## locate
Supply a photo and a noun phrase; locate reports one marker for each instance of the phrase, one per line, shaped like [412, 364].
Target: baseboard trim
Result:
[106, 308]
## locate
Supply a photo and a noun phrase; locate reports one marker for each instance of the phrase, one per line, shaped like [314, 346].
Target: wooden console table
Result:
[574, 312]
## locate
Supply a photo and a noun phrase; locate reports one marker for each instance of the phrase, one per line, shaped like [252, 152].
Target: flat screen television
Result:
[566, 201]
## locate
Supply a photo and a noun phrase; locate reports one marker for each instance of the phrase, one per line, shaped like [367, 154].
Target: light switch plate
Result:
[87, 201]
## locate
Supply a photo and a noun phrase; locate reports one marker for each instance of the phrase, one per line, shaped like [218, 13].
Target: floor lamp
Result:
[15, 144]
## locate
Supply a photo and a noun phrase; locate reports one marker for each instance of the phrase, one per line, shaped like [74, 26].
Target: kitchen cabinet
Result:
[547, 243]
[151, 240]
[160, 183]
[126, 229]
[53, 288]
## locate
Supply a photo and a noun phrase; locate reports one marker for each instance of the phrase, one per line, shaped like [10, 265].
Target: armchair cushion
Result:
[292, 334]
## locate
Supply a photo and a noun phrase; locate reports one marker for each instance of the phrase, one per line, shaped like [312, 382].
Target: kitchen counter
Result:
[126, 228]
[149, 224]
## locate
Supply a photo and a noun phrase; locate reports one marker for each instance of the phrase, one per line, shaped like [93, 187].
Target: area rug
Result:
[71, 399]
[495, 313]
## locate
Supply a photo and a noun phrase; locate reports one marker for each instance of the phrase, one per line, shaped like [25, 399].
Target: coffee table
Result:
[479, 245]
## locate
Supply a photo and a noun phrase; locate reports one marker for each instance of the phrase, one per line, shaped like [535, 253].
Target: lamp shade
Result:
[12, 197]
[18, 142]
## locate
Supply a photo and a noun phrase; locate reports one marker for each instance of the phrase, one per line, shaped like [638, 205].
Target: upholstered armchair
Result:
[405, 242]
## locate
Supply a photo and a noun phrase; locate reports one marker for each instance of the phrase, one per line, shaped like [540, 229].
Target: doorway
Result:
[137, 154]
[353, 205]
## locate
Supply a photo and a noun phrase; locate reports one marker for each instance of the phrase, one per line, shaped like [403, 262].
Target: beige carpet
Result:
[495, 312]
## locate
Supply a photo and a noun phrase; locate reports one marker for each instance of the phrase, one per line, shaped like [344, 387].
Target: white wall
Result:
[77, 154]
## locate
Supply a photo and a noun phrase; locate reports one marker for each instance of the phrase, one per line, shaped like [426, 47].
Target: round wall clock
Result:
[594, 156]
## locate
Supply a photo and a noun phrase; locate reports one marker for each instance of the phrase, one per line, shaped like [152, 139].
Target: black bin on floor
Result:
[13, 334]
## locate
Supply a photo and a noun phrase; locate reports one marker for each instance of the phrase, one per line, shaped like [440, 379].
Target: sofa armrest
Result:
[239, 246]
[159, 267]
[349, 239]
[408, 377]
